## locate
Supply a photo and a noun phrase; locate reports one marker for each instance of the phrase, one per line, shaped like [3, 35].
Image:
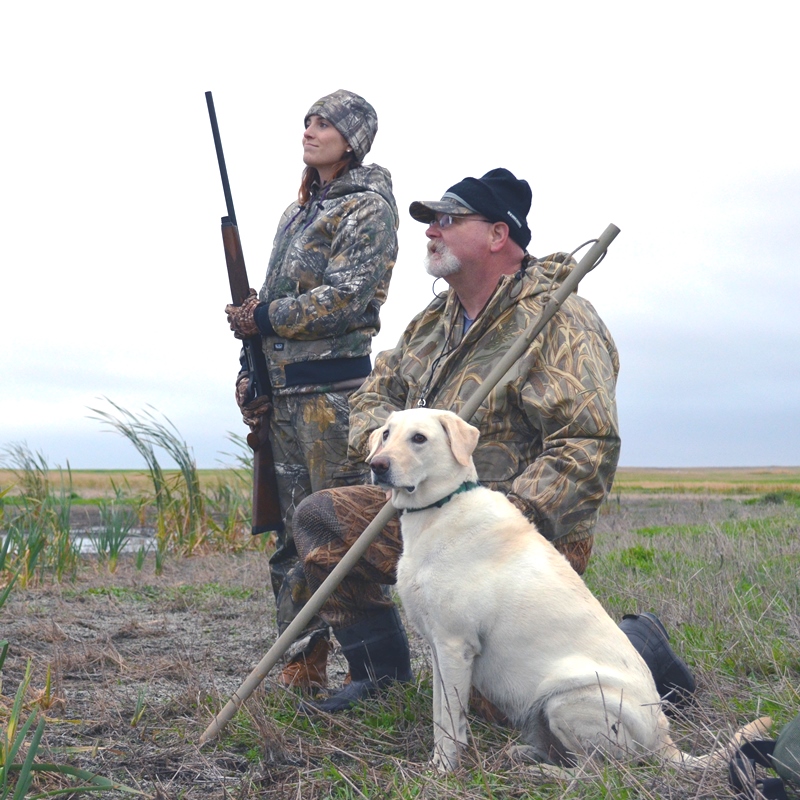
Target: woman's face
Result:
[323, 145]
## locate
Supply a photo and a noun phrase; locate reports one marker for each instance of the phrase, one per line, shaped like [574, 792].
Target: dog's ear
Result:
[375, 442]
[462, 436]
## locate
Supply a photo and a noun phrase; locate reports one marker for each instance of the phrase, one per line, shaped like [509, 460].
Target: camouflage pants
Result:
[308, 433]
[326, 526]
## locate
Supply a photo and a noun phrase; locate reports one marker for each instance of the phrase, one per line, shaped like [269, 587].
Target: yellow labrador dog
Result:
[502, 610]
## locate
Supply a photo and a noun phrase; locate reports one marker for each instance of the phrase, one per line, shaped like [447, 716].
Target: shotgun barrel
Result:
[266, 506]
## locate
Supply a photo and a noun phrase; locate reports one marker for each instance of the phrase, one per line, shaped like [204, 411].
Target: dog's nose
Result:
[380, 466]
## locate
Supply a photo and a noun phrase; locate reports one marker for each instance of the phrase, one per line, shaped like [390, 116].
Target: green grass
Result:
[187, 595]
[727, 591]
[728, 480]
[777, 498]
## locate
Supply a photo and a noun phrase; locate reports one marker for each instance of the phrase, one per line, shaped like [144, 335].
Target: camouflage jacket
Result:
[549, 432]
[328, 277]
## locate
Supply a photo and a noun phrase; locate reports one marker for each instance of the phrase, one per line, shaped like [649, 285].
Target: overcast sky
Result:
[676, 121]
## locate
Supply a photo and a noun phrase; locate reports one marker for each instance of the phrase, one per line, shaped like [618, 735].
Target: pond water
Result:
[87, 540]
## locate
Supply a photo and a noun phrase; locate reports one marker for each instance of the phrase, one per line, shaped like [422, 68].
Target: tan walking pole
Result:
[339, 572]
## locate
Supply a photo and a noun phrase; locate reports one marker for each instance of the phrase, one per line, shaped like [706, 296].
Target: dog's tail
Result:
[757, 729]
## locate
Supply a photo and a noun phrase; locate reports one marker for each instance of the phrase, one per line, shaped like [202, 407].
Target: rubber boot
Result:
[376, 650]
[308, 669]
[672, 677]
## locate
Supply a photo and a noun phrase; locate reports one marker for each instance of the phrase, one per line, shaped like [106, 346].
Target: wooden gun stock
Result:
[237, 272]
[266, 506]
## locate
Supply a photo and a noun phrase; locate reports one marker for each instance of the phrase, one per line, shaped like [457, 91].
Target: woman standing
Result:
[317, 312]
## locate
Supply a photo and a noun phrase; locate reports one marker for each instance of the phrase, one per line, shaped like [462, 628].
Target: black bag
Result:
[781, 755]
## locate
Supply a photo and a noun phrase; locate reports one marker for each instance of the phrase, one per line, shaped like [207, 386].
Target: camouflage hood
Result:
[547, 274]
[366, 178]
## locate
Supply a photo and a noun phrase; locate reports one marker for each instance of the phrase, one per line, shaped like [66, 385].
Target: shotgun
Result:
[266, 508]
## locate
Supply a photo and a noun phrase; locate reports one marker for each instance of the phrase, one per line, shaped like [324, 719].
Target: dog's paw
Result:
[444, 762]
[525, 754]
[538, 761]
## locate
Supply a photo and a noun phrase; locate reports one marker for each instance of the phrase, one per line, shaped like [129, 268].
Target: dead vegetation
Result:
[140, 662]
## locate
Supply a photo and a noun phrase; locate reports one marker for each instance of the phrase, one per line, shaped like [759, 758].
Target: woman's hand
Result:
[241, 318]
[254, 410]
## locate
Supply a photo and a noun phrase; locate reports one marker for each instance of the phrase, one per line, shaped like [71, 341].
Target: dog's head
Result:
[422, 455]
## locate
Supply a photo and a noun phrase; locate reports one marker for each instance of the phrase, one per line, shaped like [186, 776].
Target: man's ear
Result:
[498, 236]
[462, 436]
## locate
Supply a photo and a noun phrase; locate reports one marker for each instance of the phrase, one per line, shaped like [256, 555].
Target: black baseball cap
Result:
[498, 195]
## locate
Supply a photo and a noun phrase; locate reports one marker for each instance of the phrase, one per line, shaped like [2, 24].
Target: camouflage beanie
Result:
[352, 116]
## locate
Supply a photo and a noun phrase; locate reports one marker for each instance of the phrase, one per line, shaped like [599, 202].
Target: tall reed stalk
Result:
[64, 551]
[179, 503]
[38, 531]
[7, 576]
[116, 523]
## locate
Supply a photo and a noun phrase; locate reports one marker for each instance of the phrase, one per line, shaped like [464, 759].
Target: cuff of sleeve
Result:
[261, 317]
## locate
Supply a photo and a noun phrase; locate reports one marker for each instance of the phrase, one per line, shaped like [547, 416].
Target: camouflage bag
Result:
[782, 755]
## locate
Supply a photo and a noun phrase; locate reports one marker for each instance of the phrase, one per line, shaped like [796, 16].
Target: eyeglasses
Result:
[446, 220]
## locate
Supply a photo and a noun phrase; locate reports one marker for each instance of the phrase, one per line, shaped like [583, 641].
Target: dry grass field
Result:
[128, 668]
[722, 480]
[92, 484]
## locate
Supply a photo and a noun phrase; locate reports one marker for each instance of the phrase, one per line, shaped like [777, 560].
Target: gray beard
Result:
[442, 263]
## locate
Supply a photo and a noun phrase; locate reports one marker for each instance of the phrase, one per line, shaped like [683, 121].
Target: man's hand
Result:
[241, 318]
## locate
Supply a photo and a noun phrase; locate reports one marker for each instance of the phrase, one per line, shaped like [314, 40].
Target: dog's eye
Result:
[418, 438]
[385, 434]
